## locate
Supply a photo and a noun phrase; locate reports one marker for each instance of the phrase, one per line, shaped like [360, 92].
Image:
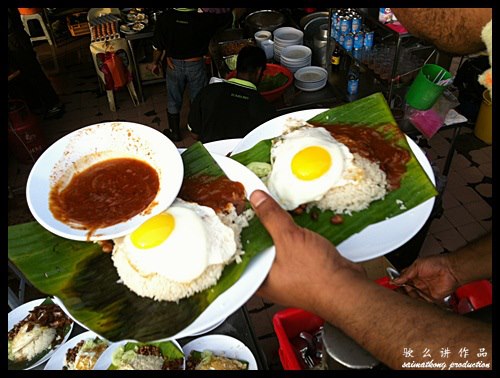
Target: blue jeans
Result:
[192, 73]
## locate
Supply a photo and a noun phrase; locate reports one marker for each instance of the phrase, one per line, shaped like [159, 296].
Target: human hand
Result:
[170, 64]
[153, 67]
[432, 275]
[305, 261]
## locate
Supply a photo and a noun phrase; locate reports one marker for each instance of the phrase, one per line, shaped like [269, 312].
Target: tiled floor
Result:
[467, 200]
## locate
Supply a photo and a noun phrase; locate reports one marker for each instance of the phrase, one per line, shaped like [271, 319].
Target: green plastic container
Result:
[424, 91]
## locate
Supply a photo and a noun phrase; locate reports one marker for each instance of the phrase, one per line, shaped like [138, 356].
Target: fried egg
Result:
[179, 243]
[306, 163]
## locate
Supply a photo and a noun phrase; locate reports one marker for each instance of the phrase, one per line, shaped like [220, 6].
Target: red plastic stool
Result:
[473, 296]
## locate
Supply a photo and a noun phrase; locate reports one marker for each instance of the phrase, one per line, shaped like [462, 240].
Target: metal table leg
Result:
[451, 151]
[136, 71]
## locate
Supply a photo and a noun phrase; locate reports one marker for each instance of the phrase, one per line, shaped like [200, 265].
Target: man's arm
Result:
[153, 66]
[390, 325]
[308, 272]
[474, 261]
[453, 30]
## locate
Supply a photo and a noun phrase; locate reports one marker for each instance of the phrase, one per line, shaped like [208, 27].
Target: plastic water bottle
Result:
[353, 79]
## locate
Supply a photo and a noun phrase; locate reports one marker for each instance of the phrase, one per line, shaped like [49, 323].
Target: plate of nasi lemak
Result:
[79, 353]
[36, 330]
[348, 173]
[179, 273]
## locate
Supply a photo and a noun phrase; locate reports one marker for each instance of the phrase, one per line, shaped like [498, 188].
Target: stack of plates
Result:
[295, 57]
[311, 78]
[286, 36]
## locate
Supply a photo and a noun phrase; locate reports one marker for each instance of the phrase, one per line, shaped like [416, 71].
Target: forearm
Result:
[453, 30]
[387, 324]
[474, 261]
[157, 56]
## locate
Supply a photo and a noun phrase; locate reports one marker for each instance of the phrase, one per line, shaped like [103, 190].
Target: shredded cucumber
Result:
[259, 168]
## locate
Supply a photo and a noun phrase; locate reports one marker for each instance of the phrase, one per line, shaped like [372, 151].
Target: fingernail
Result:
[257, 197]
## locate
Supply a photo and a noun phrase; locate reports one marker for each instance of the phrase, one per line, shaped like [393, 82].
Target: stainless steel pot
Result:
[341, 352]
[263, 20]
[320, 44]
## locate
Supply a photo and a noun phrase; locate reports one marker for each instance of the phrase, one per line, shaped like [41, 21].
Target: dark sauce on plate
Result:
[107, 193]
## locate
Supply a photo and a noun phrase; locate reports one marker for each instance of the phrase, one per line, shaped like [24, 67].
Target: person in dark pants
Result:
[32, 85]
[232, 108]
[183, 35]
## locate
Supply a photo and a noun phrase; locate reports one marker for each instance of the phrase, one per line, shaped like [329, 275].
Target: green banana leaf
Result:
[416, 187]
[85, 279]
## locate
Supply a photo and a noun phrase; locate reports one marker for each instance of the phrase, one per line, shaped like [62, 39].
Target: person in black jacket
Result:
[232, 108]
[183, 35]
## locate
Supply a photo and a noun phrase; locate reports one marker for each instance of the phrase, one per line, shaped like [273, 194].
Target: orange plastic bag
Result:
[117, 70]
[112, 62]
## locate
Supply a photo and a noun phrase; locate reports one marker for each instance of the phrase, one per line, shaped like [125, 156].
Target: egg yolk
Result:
[311, 163]
[154, 231]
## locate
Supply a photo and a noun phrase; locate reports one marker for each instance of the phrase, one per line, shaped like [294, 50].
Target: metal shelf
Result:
[383, 35]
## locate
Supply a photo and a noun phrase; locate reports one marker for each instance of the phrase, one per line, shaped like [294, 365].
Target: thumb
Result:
[406, 275]
[276, 220]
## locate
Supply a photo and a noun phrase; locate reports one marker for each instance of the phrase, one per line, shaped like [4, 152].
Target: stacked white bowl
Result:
[295, 57]
[286, 36]
[311, 78]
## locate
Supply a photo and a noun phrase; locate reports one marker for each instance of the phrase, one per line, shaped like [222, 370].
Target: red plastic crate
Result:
[288, 324]
[478, 293]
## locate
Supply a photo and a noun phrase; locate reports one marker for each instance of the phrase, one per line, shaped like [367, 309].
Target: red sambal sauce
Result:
[214, 192]
[370, 144]
[106, 193]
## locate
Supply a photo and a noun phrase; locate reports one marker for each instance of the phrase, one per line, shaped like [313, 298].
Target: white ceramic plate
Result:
[311, 74]
[127, 30]
[374, 240]
[222, 345]
[98, 12]
[310, 87]
[295, 54]
[103, 141]
[253, 276]
[58, 359]
[21, 312]
[222, 147]
[105, 361]
[256, 271]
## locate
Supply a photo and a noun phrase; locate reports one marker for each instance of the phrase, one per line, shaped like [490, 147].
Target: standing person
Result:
[184, 34]
[31, 84]
[233, 108]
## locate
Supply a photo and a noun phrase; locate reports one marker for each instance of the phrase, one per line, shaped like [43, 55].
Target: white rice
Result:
[27, 345]
[160, 288]
[357, 195]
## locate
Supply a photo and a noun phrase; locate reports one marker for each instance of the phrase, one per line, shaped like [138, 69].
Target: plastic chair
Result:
[39, 18]
[108, 50]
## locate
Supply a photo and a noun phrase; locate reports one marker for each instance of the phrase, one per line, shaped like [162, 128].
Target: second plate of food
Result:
[131, 355]
[79, 353]
[218, 352]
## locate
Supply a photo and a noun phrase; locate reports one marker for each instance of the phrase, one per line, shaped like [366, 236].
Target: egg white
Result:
[286, 187]
[199, 239]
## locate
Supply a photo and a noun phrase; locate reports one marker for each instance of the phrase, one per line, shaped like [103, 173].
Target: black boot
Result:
[173, 132]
